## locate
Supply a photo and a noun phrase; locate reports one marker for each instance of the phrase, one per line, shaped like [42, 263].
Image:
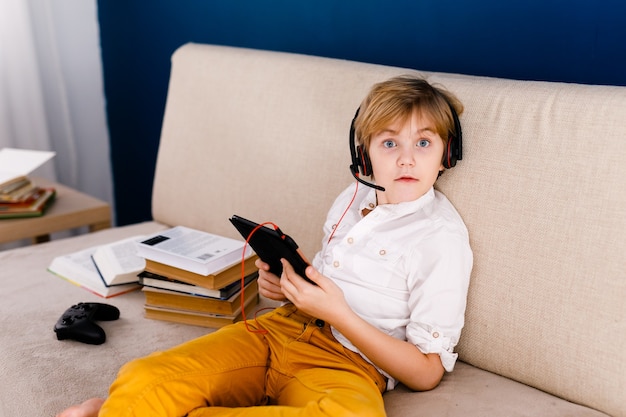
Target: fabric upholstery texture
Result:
[264, 135]
[542, 193]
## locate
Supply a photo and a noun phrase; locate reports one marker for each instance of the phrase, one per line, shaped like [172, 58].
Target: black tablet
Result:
[271, 245]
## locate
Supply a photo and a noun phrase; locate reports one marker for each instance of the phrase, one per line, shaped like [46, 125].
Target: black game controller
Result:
[77, 323]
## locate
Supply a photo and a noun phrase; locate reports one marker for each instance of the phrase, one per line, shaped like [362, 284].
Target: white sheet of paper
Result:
[18, 162]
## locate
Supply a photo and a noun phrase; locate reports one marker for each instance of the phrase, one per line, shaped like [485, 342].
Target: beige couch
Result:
[542, 188]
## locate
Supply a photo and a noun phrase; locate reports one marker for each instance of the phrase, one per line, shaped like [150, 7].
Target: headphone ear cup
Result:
[454, 150]
[364, 163]
[449, 160]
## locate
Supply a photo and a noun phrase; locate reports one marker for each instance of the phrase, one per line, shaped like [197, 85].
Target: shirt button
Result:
[372, 205]
[435, 334]
[350, 240]
[334, 226]
[336, 264]
[382, 252]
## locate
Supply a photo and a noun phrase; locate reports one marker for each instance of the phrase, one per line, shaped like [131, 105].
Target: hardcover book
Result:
[217, 280]
[181, 301]
[199, 318]
[193, 250]
[34, 209]
[149, 279]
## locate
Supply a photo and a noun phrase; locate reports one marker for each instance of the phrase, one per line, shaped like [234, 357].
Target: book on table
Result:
[193, 250]
[149, 279]
[33, 206]
[198, 318]
[157, 297]
[216, 280]
[79, 269]
[118, 262]
[22, 190]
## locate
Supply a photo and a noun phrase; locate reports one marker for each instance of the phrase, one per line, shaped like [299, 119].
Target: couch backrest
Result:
[541, 188]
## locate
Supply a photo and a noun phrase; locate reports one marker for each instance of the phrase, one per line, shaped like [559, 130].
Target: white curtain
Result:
[22, 114]
[51, 90]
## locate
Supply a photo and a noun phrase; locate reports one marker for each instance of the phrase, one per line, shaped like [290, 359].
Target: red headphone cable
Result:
[243, 276]
[356, 189]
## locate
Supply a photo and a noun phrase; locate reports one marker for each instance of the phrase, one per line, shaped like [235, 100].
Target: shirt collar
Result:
[369, 202]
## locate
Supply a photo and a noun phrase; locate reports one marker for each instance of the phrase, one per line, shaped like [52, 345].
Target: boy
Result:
[388, 307]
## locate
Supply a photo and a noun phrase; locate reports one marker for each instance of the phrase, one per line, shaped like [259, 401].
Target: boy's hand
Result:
[323, 301]
[269, 284]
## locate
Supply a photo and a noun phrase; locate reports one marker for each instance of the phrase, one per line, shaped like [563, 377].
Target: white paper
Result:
[19, 162]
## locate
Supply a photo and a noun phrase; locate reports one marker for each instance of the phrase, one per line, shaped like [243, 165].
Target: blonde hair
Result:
[397, 99]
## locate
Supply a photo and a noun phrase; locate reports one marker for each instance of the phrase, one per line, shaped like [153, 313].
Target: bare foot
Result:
[89, 408]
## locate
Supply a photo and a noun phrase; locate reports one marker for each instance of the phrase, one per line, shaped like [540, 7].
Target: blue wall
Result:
[555, 40]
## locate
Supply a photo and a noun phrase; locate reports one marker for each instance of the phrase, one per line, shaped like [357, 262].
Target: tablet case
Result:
[271, 245]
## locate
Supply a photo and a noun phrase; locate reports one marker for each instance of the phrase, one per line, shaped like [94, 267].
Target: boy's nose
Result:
[406, 158]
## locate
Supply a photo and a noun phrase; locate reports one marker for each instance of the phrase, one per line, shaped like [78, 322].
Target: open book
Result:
[118, 262]
[79, 269]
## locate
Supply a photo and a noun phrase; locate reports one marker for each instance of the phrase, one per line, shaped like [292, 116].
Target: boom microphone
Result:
[355, 174]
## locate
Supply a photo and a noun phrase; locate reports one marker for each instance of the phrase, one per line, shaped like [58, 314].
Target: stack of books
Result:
[197, 278]
[21, 197]
[188, 276]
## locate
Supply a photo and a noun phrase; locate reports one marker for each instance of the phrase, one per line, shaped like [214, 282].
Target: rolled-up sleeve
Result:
[441, 268]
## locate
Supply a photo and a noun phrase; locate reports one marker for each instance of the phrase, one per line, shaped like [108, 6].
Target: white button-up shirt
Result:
[404, 268]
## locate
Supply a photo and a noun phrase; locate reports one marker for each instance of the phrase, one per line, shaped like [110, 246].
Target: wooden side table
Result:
[70, 210]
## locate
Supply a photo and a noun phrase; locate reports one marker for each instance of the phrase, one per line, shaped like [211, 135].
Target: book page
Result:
[193, 244]
[78, 267]
[126, 256]
[83, 261]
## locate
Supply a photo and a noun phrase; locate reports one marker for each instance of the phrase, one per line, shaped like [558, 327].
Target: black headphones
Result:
[361, 164]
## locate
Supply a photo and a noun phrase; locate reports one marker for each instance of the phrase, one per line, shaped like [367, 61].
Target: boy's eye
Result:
[389, 143]
[423, 143]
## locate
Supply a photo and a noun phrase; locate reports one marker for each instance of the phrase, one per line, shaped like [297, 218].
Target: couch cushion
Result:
[472, 392]
[541, 189]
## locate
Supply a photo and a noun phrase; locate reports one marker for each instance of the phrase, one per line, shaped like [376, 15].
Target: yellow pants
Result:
[297, 368]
